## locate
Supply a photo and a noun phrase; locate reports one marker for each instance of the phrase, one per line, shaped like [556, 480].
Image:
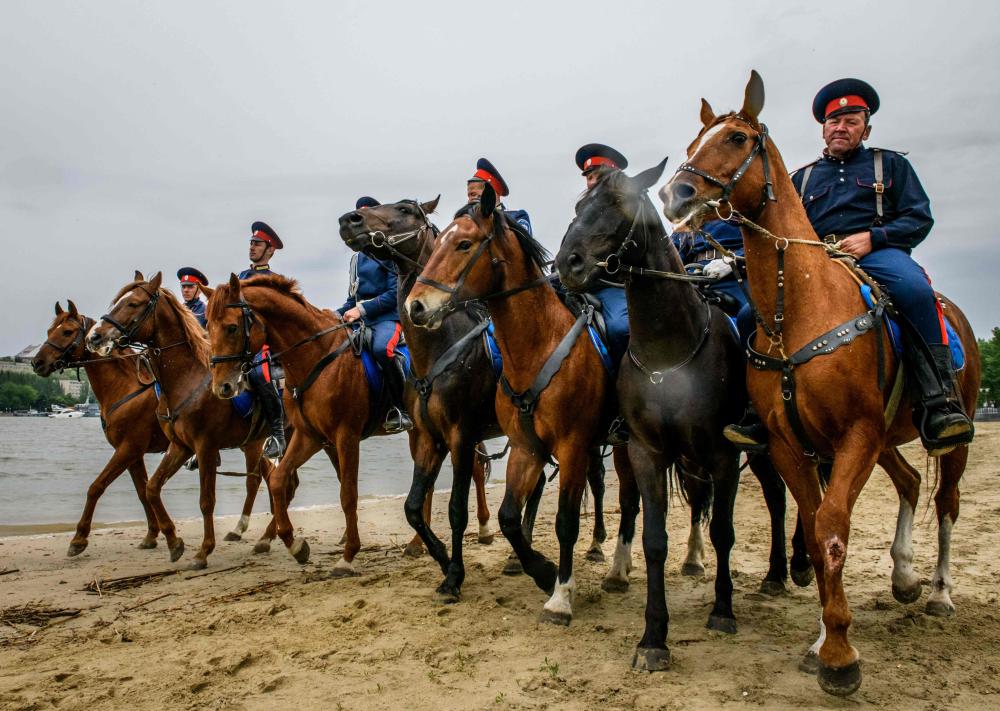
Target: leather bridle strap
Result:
[246, 356]
[63, 351]
[129, 331]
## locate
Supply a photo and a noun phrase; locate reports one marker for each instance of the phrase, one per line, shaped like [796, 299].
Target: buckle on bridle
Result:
[612, 263]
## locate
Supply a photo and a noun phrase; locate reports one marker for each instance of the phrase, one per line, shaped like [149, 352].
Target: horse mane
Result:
[282, 284]
[194, 334]
[534, 250]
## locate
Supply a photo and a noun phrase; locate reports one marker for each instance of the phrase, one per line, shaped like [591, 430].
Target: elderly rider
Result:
[869, 202]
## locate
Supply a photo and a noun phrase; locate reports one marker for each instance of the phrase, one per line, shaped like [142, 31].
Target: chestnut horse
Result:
[840, 398]
[558, 405]
[196, 422]
[682, 382]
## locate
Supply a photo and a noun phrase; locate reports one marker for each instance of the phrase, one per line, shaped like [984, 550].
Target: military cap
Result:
[844, 96]
[594, 155]
[366, 202]
[190, 275]
[262, 231]
[487, 173]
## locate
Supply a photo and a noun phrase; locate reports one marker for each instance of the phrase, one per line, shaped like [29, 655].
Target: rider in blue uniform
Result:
[700, 256]
[264, 241]
[870, 202]
[190, 278]
[372, 300]
[487, 173]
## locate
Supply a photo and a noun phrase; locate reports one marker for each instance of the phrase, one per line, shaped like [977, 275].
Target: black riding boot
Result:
[750, 435]
[396, 420]
[938, 416]
[270, 404]
[618, 432]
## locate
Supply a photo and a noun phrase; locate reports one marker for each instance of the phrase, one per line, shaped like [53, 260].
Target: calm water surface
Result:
[46, 466]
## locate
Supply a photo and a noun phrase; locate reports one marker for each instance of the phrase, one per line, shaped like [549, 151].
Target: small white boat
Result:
[66, 414]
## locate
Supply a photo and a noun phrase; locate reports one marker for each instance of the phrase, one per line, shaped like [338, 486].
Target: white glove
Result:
[717, 269]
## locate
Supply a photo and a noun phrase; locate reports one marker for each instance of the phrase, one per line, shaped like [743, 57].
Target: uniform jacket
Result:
[520, 217]
[840, 199]
[373, 289]
[726, 233]
[197, 307]
[255, 270]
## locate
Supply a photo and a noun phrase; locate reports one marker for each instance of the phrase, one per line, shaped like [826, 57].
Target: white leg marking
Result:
[484, 530]
[621, 566]
[822, 637]
[343, 564]
[562, 598]
[696, 546]
[903, 576]
[941, 584]
[242, 525]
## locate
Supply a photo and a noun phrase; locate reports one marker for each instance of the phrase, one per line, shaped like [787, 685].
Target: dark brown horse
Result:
[845, 408]
[556, 396]
[128, 413]
[196, 422]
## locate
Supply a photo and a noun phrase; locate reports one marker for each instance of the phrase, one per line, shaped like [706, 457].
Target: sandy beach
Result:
[259, 631]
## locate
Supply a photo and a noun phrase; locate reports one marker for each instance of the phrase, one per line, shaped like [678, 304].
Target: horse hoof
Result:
[233, 536]
[693, 570]
[76, 549]
[413, 550]
[300, 551]
[651, 660]
[809, 664]
[147, 544]
[596, 555]
[907, 595]
[262, 546]
[177, 550]
[803, 578]
[343, 569]
[614, 585]
[198, 564]
[937, 608]
[555, 618]
[774, 588]
[840, 682]
[513, 567]
[486, 540]
[721, 624]
[447, 594]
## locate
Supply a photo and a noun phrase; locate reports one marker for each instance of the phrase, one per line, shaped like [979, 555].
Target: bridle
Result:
[246, 356]
[390, 242]
[759, 148]
[129, 331]
[60, 363]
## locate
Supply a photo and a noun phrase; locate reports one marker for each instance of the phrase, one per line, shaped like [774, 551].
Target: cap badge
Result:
[843, 101]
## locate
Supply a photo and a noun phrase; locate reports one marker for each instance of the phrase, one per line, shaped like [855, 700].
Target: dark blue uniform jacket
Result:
[373, 289]
[197, 307]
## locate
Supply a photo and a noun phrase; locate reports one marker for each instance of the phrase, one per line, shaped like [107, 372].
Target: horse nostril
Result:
[574, 261]
[682, 191]
[417, 311]
[355, 218]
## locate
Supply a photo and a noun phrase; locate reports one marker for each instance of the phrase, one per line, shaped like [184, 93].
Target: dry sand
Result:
[380, 641]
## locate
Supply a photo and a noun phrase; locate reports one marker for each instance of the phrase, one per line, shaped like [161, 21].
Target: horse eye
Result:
[231, 329]
[132, 304]
[67, 332]
[465, 245]
[738, 138]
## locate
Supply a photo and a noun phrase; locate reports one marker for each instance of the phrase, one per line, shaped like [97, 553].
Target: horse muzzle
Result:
[575, 270]
[680, 200]
[425, 315]
[225, 390]
[98, 342]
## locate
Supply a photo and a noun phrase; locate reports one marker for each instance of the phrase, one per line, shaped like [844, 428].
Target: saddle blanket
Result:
[896, 337]
[373, 373]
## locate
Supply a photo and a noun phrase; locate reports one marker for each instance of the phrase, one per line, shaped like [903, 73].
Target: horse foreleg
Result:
[905, 581]
[774, 497]
[252, 483]
[122, 457]
[946, 502]
[726, 479]
[513, 565]
[595, 477]
[207, 468]
[628, 501]
[347, 457]
[463, 455]
[698, 494]
[427, 458]
[137, 472]
[523, 476]
[281, 485]
[650, 467]
[174, 457]
[574, 468]
[482, 508]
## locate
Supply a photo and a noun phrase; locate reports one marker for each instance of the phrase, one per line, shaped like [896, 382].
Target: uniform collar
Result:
[260, 267]
[195, 300]
[858, 149]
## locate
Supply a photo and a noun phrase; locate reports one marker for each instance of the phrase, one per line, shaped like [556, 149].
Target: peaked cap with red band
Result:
[366, 201]
[594, 155]
[844, 96]
[261, 231]
[190, 275]
[487, 173]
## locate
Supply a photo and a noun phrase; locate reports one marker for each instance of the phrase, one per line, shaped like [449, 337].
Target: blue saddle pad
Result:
[601, 348]
[494, 350]
[242, 403]
[373, 373]
[954, 343]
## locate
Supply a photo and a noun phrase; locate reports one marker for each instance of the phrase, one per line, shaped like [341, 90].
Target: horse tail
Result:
[694, 490]
[824, 470]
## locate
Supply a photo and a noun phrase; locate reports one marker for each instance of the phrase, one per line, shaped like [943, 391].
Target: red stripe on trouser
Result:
[390, 347]
[940, 311]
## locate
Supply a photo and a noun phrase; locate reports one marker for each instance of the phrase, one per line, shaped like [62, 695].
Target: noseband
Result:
[60, 362]
[759, 148]
[246, 356]
[129, 331]
[380, 240]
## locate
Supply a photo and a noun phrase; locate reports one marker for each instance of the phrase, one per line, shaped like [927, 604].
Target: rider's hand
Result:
[352, 314]
[717, 269]
[857, 245]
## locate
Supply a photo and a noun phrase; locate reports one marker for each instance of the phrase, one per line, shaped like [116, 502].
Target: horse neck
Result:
[816, 289]
[528, 324]
[288, 322]
[109, 379]
[665, 316]
[178, 364]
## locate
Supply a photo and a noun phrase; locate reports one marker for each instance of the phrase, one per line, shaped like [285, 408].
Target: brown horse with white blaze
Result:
[546, 406]
[196, 422]
[842, 404]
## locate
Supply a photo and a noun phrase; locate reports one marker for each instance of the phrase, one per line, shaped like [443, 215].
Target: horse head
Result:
[388, 231]
[129, 320]
[727, 167]
[64, 341]
[611, 219]
[235, 334]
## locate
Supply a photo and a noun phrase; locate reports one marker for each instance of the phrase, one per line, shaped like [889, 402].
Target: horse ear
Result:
[138, 276]
[155, 282]
[59, 309]
[234, 283]
[647, 178]
[753, 98]
[72, 308]
[707, 115]
[430, 206]
[206, 290]
[487, 201]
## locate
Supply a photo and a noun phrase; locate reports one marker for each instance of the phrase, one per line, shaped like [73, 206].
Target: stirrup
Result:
[192, 463]
[400, 423]
[618, 432]
[274, 448]
[959, 431]
[747, 438]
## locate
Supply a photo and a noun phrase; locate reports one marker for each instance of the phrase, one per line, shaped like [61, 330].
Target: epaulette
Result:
[802, 167]
[888, 150]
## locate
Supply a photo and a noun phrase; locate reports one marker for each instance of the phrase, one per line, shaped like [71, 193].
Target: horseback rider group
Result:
[868, 201]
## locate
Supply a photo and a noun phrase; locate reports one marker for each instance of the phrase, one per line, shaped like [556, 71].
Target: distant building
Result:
[9, 366]
[73, 388]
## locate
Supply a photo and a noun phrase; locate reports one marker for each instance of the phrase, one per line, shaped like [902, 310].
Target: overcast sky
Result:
[150, 135]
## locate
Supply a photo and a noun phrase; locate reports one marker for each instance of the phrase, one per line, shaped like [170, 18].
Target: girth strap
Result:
[171, 417]
[527, 401]
[129, 397]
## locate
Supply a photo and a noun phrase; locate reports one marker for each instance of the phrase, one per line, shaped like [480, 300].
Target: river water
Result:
[46, 466]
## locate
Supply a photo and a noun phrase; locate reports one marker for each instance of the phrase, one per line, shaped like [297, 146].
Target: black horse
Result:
[454, 393]
[681, 382]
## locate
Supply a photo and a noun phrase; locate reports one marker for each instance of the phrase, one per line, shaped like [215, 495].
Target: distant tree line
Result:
[989, 353]
[20, 391]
